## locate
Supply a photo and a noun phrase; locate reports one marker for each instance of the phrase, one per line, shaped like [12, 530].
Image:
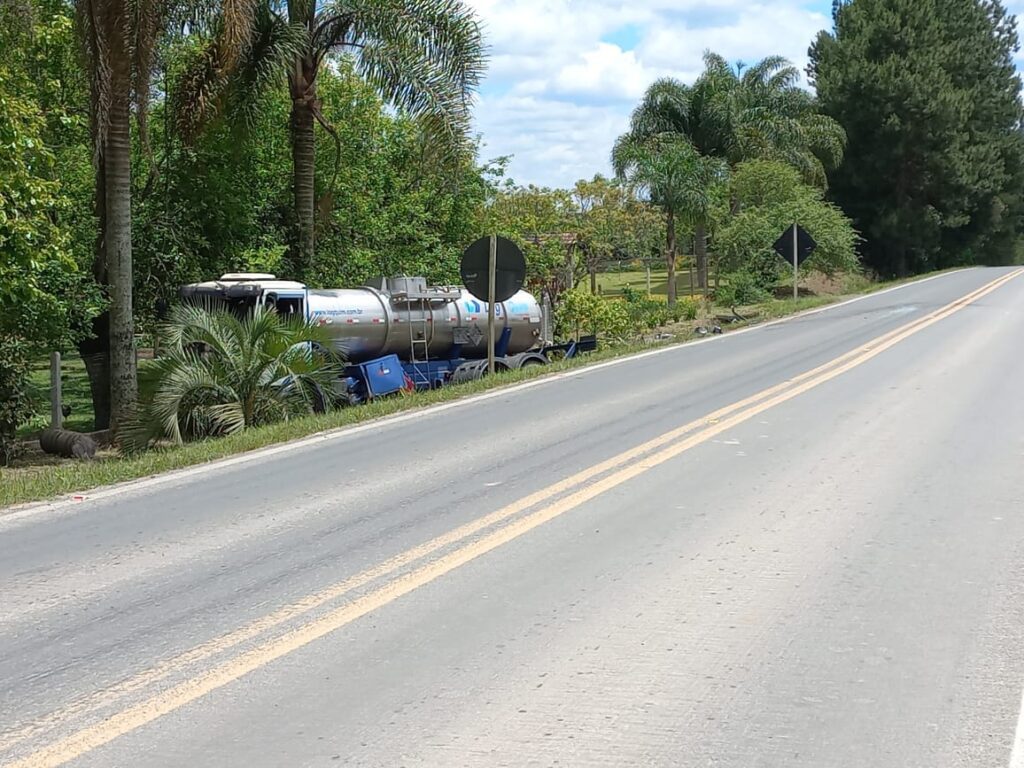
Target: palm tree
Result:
[738, 114]
[223, 374]
[677, 178]
[423, 56]
[119, 40]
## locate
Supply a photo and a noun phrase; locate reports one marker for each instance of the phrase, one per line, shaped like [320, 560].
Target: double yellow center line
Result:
[457, 547]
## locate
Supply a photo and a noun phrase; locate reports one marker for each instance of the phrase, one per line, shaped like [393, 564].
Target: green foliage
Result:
[222, 374]
[770, 197]
[646, 314]
[15, 402]
[45, 301]
[740, 114]
[582, 313]
[688, 308]
[686, 185]
[930, 99]
[677, 178]
[612, 223]
[741, 288]
[541, 221]
[392, 209]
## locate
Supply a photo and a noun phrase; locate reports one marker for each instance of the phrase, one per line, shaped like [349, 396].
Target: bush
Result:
[741, 288]
[687, 309]
[16, 404]
[645, 313]
[222, 374]
[580, 312]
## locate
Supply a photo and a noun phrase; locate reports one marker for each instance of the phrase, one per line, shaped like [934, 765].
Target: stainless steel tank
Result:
[412, 319]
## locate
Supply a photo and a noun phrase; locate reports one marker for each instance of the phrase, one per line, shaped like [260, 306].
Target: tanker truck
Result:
[400, 333]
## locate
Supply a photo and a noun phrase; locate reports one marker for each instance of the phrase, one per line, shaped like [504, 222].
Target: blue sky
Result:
[565, 74]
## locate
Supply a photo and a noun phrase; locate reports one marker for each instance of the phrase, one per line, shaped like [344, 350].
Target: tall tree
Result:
[610, 222]
[928, 93]
[424, 56]
[119, 41]
[678, 179]
[738, 114]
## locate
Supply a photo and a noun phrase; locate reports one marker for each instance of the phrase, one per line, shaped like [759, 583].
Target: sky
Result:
[564, 75]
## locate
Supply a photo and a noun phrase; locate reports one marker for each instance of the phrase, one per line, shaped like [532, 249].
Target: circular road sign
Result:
[509, 269]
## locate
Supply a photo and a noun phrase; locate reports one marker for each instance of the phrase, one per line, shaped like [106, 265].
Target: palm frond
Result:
[426, 57]
[769, 69]
[223, 373]
[240, 36]
[90, 18]
[665, 107]
[146, 20]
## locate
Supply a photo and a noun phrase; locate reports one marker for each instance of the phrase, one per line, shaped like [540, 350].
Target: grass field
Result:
[74, 391]
[612, 283]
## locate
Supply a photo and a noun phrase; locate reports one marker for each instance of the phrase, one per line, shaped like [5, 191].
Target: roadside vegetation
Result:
[330, 143]
[35, 476]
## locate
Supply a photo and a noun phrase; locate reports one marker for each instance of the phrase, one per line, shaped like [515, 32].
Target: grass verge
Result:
[33, 483]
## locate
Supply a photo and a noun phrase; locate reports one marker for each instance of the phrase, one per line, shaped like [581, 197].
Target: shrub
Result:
[16, 404]
[687, 309]
[222, 374]
[741, 288]
[645, 313]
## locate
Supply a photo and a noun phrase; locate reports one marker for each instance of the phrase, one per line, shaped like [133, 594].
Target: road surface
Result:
[800, 545]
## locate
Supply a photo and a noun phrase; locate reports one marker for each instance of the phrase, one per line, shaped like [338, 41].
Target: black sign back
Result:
[805, 245]
[509, 269]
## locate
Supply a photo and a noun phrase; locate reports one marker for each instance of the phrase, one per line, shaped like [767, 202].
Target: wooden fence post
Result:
[56, 406]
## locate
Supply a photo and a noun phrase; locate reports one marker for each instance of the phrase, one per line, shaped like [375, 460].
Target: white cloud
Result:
[565, 74]
[605, 70]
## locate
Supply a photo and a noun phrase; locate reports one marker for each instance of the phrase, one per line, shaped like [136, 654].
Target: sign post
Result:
[796, 266]
[491, 269]
[795, 245]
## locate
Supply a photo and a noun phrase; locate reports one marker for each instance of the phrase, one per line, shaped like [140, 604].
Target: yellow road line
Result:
[110, 694]
[179, 695]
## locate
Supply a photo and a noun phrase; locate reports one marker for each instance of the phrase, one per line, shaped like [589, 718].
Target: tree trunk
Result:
[118, 239]
[593, 280]
[670, 259]
[700, 248]
[303, 174]
[95, 354]
[95, 350]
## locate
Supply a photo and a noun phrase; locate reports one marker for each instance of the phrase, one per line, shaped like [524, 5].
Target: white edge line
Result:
[67, 502]
[1017, 756]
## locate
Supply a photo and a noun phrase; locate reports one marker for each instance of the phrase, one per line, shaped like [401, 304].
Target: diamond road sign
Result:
[805, 245]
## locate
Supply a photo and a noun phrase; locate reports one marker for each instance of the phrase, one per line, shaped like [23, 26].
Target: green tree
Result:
[425, 56]
[930, 99]
[118, 40]
[542, 222]
[772, 197]
[611, 222]
[677, 178]
[393, 209]
[44, 303]
[741, 113]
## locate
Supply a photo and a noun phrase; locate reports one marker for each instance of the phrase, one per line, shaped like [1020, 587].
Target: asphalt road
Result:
[800, 545]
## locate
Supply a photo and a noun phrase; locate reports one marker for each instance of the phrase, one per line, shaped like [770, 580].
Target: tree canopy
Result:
[930, 99]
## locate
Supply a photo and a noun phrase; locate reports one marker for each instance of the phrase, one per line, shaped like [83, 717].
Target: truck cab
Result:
[242, 291]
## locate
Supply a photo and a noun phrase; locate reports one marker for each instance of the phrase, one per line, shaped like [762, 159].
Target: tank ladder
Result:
[419, 341]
